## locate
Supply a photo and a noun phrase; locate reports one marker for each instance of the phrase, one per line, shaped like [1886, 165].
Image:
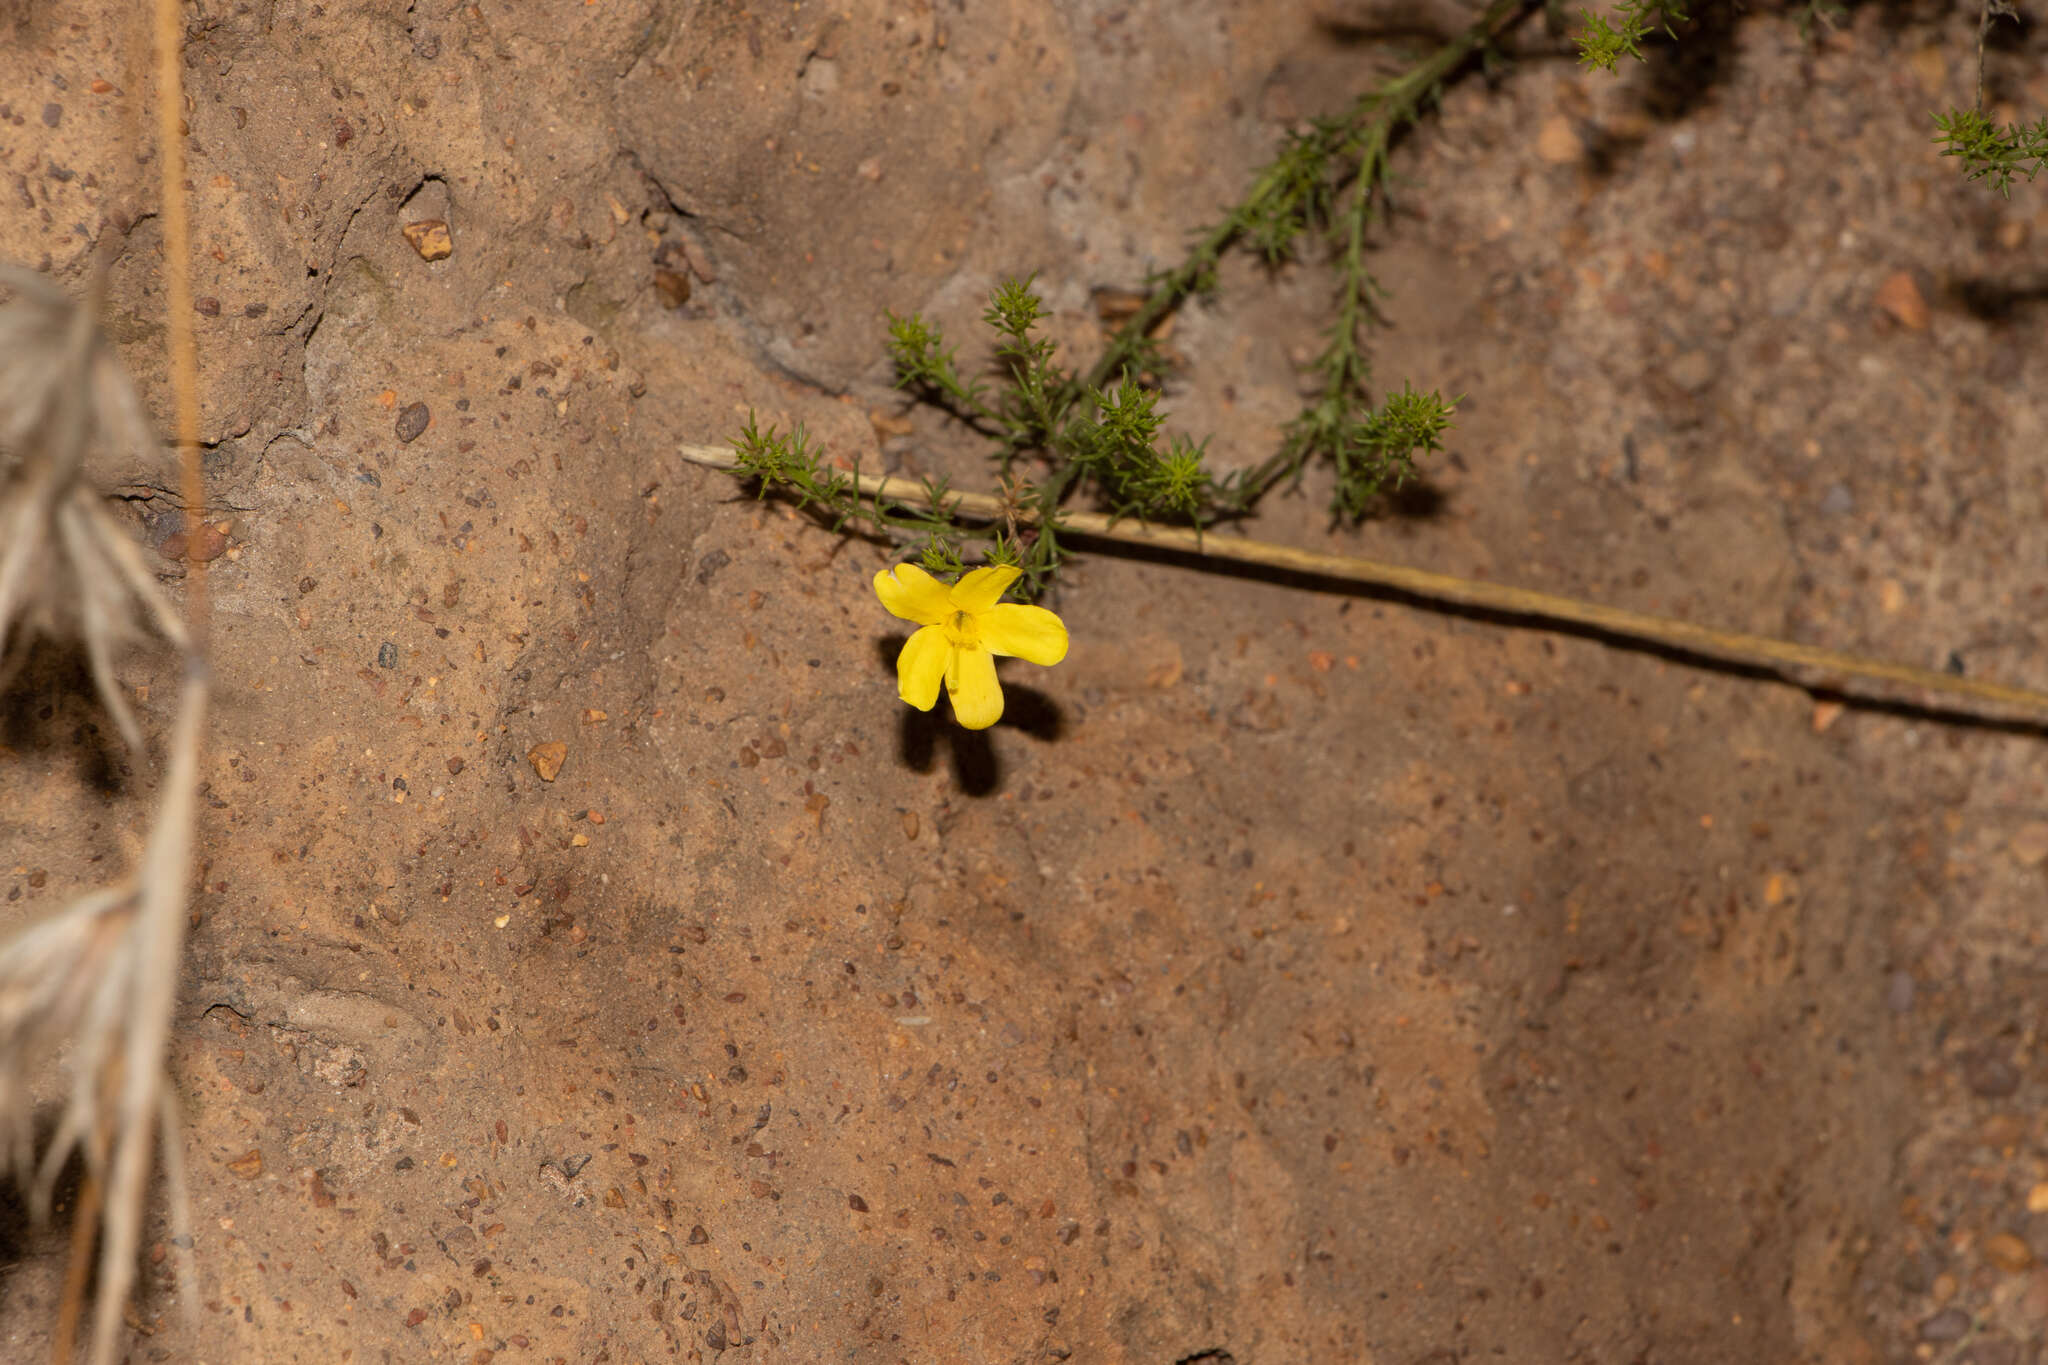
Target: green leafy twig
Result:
[1297, 191]
[1333, 174]
[1602, 44]
[789, 465]
[925, 365]
[1990, 152]
[1098, 431]
[1103, 439]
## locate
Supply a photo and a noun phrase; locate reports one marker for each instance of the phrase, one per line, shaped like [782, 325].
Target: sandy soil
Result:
[1296, 975]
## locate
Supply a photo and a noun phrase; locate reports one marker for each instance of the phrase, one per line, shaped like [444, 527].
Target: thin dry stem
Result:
[170, 114]
[158, 938]
[85, 1221]
[1824, 667]
[99, 980]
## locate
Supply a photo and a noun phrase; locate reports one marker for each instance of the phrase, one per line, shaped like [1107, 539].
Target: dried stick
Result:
[85, 1221]
[170, 117]
[1757, 651]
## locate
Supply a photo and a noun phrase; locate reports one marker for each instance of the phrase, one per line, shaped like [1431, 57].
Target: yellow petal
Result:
[1033, 633]
[971, 683]
[983, 588]
[911, 593]
[922, 666]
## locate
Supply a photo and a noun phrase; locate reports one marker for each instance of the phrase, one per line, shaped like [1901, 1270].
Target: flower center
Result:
[962, 630]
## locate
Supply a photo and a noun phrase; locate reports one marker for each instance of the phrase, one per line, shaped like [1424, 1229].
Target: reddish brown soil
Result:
[1294, 976]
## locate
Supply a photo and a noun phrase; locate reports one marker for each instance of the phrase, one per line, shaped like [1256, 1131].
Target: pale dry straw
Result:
[66, 567]
[95, 984]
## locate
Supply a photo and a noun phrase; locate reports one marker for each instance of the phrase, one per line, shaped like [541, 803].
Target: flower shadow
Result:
[976, 768]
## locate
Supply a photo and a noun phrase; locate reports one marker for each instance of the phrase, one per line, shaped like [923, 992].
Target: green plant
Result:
[1096, 433]
[1602, 44]
[791, 466]
[1988, 152]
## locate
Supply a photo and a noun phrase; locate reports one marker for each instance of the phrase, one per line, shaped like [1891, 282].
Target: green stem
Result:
[1342, 365]
[1381, 111]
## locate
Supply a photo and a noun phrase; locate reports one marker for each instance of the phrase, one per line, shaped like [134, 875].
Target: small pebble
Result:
[412, 421]
[1556, 143]
[2029, 844]
[673, 287]
[1693, 371]
[1947, 1325]
[210, 547]
[2002, 1132]
[429, 237]
[707, 569]
[1898, 995]
[2031, 1304]
[387, 655]
[547, 759]
[2008, 1253]
[1991, 1351]
[1900, 299]
[53, 114]
[1991, 1075]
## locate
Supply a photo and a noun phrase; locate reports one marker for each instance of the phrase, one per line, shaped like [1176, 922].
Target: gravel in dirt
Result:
[1296, 975]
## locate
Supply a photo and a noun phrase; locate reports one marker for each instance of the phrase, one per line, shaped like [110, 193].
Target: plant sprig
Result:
[1992, 153]
[1330, 180]
[1602, 44]
[1987, 151]
[1081, 438]
[790, 465]
[1096, 432]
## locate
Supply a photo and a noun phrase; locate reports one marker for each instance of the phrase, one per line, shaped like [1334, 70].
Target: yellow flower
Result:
[965, 629]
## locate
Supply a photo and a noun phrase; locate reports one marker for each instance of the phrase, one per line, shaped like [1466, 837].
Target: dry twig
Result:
[1802, 665]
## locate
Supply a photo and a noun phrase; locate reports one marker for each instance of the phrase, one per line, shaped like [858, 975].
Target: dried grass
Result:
[66, 567]
[94, 985]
